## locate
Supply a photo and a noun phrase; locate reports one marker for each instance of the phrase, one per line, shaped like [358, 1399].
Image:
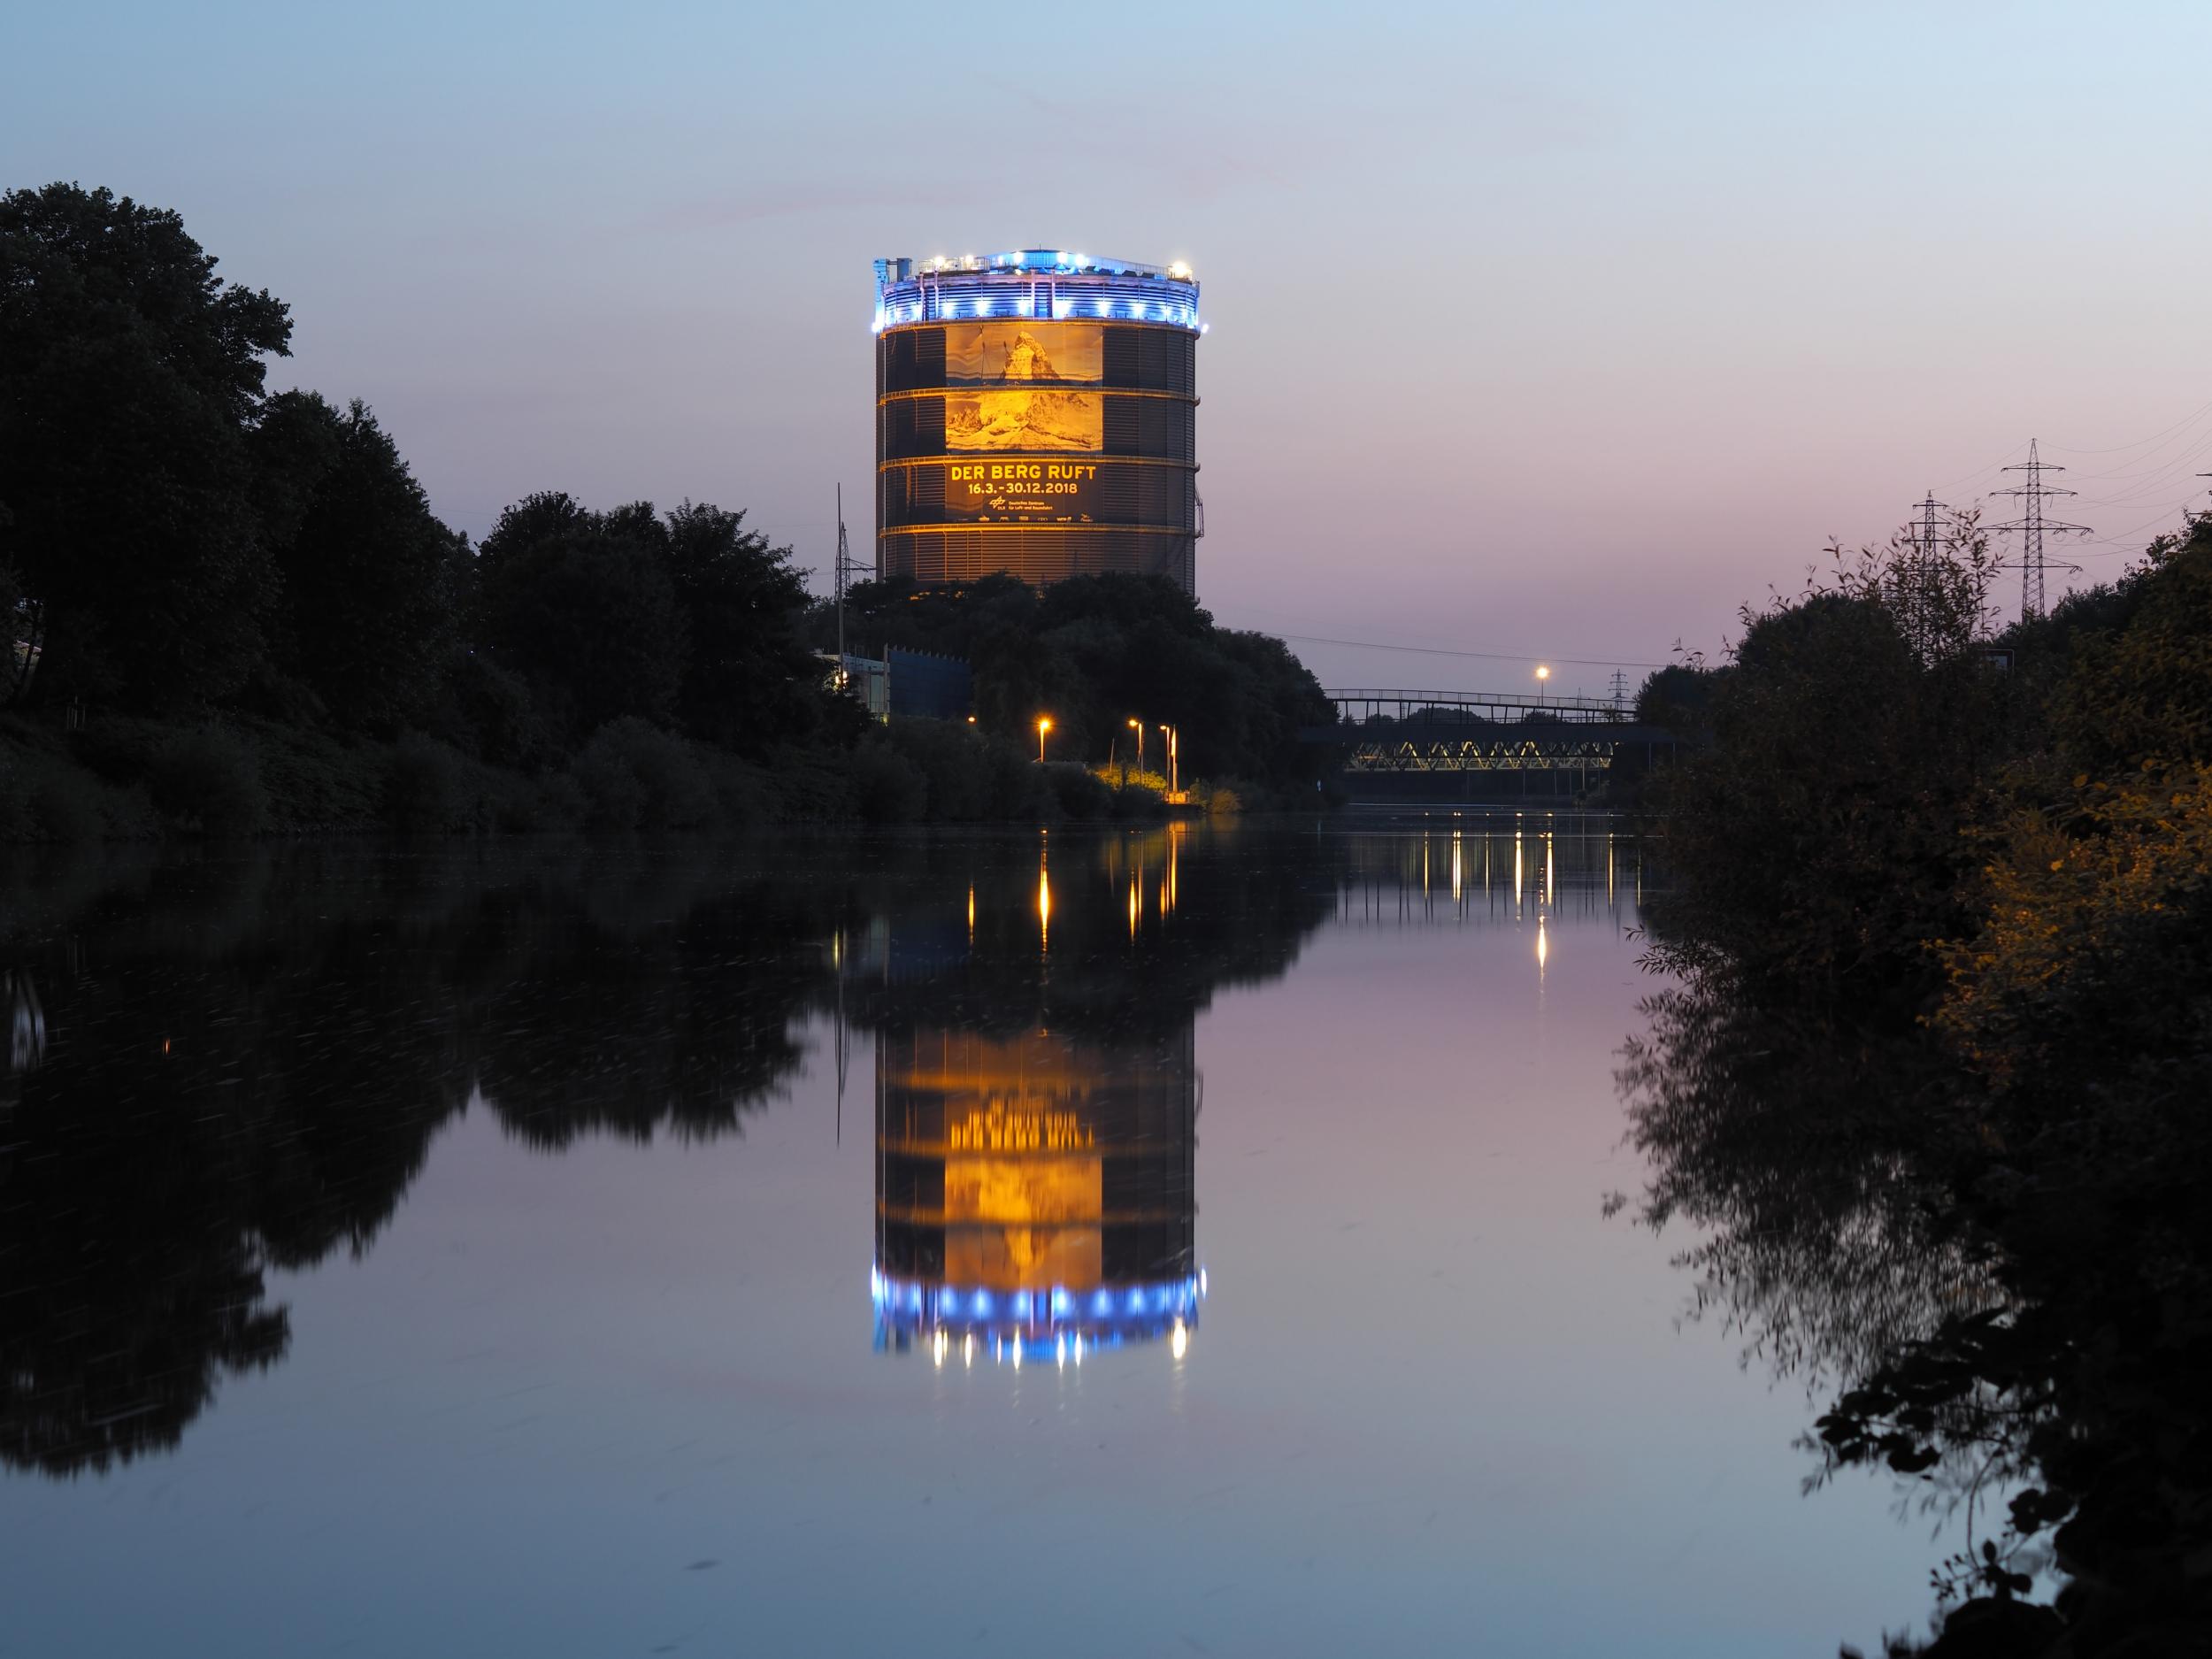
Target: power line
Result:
[1499, 657]
[2153, 438]
[2112, 546]
[1982, 471]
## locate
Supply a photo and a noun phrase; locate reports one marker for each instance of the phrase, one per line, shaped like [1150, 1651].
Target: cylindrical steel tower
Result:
[1036, 413]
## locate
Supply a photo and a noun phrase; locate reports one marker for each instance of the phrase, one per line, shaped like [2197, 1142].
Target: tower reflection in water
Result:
[1034, 1194]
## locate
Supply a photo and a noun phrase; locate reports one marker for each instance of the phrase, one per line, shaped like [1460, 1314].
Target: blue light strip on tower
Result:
[1016, 285]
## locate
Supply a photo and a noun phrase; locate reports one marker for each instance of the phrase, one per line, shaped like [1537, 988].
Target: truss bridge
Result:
[1484, 745]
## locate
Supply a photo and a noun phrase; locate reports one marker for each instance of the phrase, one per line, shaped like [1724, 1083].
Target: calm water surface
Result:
[1097, 1242]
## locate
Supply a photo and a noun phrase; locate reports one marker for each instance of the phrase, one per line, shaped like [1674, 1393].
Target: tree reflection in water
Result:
[243, 1062]
[2006, 1323]
[1793, 1144]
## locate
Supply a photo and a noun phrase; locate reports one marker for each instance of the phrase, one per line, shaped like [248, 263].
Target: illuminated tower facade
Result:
[1036, 413]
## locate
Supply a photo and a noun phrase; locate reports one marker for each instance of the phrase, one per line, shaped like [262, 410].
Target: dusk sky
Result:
[1636, 305]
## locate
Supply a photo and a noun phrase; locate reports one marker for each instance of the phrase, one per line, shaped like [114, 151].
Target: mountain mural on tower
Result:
[1027, 378]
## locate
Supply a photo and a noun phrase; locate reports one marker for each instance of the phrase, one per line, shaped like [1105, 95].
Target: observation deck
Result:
[1042, 284]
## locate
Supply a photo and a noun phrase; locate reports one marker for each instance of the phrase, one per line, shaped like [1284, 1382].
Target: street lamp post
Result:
[1543, 673]
[1044, 725]
[1173, 776]
[1137, 727]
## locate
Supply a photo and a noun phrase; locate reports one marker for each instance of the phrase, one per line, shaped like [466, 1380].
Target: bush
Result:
[423, 788]
[743, 796]
[555, 801]
[487, 711]
[890, 788]
[635, 776]
[1076, 793]
[63, 805]
[953, 761]
[972, 776]
[1134, 800]
[811, 786]
[207, 780]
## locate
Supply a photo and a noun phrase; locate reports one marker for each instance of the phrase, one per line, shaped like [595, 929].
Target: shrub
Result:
[208, 780]
[487, 711]
[423, 788]
[970, 775]
[636, 776]
[1136, 802]
[1076, 793]
[15, 800]
[1018, 788]
[555, 801]
[743, 796]
[811, 786]
[952, 759]
[891, 789]
[63, 805]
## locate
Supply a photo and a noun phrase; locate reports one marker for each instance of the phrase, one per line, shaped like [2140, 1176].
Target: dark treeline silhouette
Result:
[1936, 1077]
[223, 1066]
[231, 610]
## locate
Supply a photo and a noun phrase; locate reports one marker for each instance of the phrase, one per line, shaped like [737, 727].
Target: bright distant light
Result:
[1542, 673]
[1178, 1344]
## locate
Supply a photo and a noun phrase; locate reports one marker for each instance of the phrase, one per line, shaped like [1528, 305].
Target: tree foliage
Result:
[199, 568]
[1095, 652]
[2047, 833]
[131, 376]
[367, 620]
[578, 605]
[1819, 834]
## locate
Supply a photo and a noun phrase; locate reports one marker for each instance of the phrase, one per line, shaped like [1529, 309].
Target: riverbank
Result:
[1934, 1086]
[118, 779]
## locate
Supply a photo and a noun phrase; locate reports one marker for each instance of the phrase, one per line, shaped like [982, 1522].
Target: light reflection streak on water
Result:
[1577, 876]
[1044, 903]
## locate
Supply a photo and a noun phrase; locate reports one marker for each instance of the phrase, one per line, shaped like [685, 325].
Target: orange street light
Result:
[1044, 725]
[1137, 726]
[1172, 774]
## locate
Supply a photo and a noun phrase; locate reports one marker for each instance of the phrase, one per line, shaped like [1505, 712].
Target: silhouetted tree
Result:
[366, 619]
[580, 605]
[130, 377]
[748, 680]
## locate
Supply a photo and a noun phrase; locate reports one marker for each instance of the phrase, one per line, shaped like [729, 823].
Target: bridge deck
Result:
[1412, 731]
